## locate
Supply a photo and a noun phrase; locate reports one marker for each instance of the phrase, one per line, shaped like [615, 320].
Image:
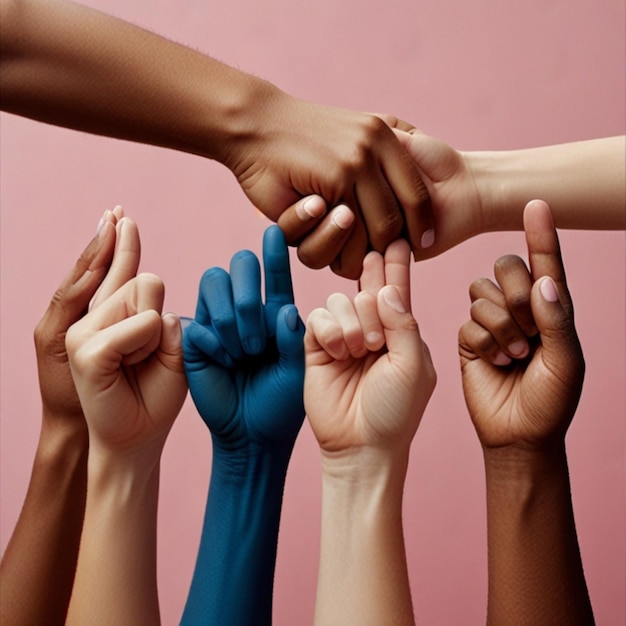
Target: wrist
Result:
[62, 442]
[250, 464]
[133, 467]
[494, 174]
[236, 123]
[121, 483]
[365, 472]
[514, 469]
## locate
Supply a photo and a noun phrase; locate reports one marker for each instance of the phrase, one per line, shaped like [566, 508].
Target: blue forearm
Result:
[233, 578]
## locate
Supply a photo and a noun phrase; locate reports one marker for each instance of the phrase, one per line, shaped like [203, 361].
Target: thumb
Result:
[170, 350]
[561, 348]
[290, 340]
[402, 334]
[433, 157]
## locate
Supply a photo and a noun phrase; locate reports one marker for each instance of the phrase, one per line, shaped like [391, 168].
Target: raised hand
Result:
[243, 357]
[356, 393]
[244, 360]
[368, 379]
[521, 360]
[126, 360]
[40, 559]
[522, 370]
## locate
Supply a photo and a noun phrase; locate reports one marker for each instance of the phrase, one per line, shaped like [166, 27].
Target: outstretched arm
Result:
[368, 379]
[522, 369]
[245, 366]
[70, 65]
[477, 192]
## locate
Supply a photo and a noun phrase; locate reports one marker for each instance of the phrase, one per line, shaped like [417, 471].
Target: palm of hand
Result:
[144, 401]
[359, 402]
[525, 403]
[255, 401]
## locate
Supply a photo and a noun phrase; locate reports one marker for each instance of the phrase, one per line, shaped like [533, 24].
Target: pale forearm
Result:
[70, 65]
[39, 562]
[583, 182]
[363, 577]
[535, 570]
[116, 574]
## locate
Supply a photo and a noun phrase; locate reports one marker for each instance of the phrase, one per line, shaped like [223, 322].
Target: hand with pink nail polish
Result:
[522, 371]
[521, 360]
[475, 192]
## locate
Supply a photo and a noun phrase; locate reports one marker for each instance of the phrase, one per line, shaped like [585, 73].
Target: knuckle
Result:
[506, 261]
[247, 305]
[310, 258]
[484, 342]
[478, 286]
[518, 301]
[375, 127]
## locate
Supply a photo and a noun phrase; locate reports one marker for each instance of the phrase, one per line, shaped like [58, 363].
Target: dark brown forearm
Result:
[535, 570]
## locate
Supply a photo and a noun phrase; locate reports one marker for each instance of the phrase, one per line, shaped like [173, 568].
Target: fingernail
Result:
[185, 322]
[501, 359]
[548, 290]
[342, 217]
[373, 338]
[102, 222]
[177, 329]
[517, 347]
[392, 298]
[291, 318]
[312, 207]
[428, 239]
[253, 345]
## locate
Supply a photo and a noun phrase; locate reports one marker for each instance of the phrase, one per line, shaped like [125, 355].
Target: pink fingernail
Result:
[102, 221]
[374, 338]
[342, 217]
[548, 290]
[517, 347]
[313, 207]
[501, 359]
[392, 298]
[428, 239]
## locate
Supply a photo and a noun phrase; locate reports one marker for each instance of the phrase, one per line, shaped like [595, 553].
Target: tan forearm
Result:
[73, 66]
[535, 569]
[583, 182]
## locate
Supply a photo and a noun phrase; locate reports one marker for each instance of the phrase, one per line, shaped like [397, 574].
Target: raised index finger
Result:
[397, 272]
[277, 272]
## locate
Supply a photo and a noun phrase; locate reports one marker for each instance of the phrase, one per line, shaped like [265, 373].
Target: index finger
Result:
[277, 274]
[125, 260]
[397, 270]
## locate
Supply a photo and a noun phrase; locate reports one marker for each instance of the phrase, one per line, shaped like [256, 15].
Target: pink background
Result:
[480, 75]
